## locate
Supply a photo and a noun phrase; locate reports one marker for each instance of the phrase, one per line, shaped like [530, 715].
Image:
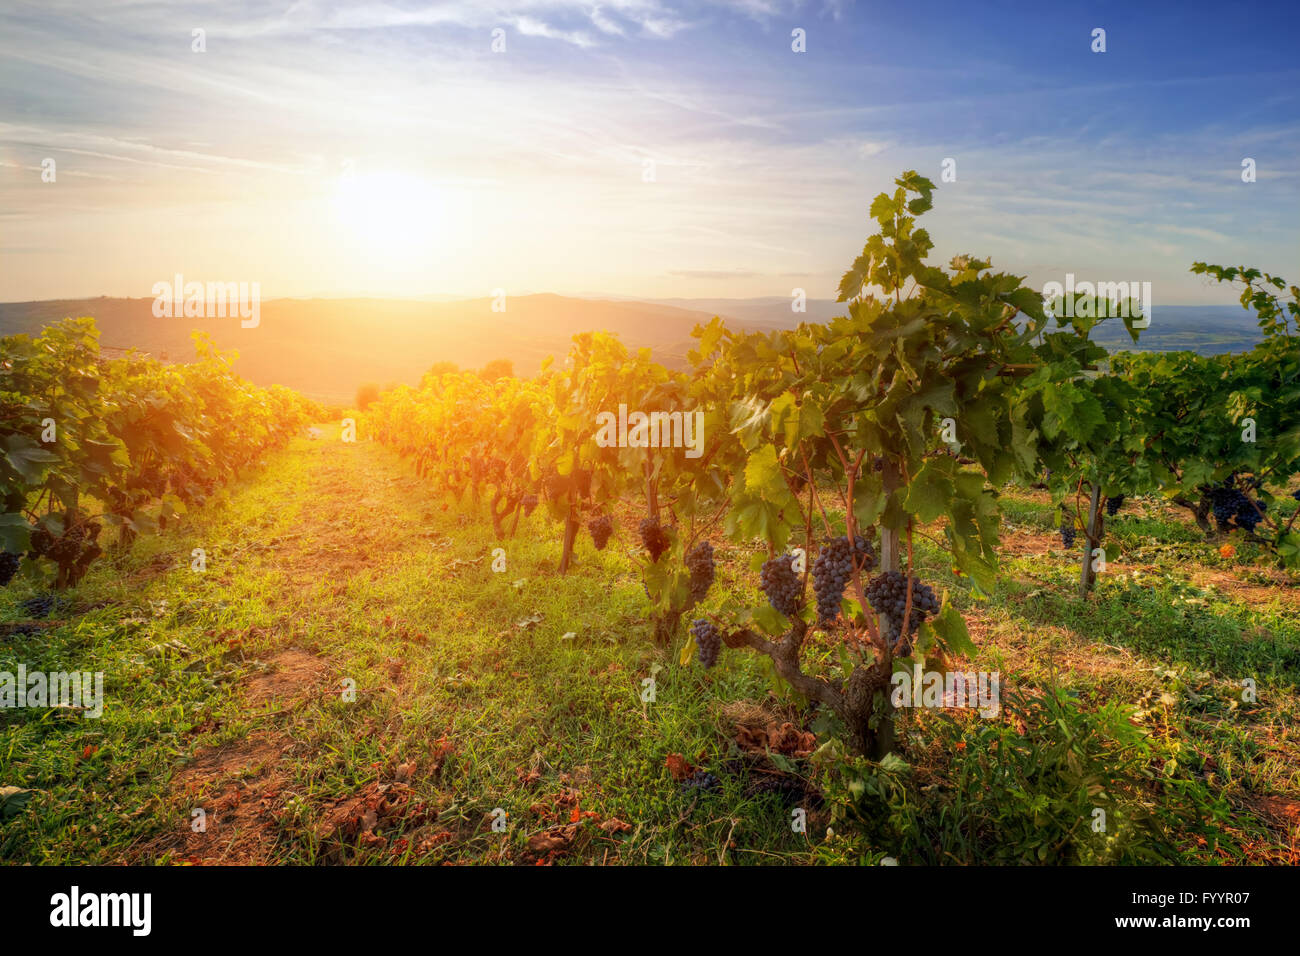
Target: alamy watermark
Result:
[81, 690]
[653, 430]
[958, 689]
[211, 300]
[1102, 300]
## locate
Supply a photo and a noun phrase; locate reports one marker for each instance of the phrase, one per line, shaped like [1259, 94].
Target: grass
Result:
[479, 691]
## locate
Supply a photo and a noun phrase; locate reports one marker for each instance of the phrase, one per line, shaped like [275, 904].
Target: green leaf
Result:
[15, 533]
[12, 801]
[950, 628]
[931, 490]
[27, 457]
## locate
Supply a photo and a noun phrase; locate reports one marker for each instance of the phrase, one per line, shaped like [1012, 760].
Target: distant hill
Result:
[325, 348]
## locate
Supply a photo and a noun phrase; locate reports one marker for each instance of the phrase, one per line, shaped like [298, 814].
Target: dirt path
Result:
[232, 795]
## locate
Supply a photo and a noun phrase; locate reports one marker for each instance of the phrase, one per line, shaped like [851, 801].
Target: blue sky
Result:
[383, 148]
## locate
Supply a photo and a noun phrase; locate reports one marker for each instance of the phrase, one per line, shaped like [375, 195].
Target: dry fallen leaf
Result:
[679, 767]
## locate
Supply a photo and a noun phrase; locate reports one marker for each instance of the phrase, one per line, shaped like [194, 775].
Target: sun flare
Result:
[395, 215]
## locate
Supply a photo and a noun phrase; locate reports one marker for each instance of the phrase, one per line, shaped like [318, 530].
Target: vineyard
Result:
[938, 581]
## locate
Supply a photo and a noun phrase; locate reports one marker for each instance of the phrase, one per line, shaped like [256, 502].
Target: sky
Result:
[649, 148]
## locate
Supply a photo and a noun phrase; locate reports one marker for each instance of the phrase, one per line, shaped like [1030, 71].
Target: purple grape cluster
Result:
[708, 642]
[701, 780]
[833, 570]
[9, 562]
[1234, 508]
[601, 528]
[654, 537]
[887, 595]
[699, 563]
[1113, 504]
[780, 583]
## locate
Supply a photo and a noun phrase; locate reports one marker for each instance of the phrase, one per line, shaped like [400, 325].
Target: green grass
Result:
[521, 690]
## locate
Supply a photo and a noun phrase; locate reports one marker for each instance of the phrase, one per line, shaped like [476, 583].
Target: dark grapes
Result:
[699, 562]
[781, 584]
[41, 542]
[601, 528]
[708, 642]
[654, 537]
[1068, 532]
[833, 570]
[9, 562]
[38, 606]
[701, 780]
[1234, 508]
[1113, 504]
[887, 595]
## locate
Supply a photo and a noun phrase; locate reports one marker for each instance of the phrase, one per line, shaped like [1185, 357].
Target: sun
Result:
[393, 215]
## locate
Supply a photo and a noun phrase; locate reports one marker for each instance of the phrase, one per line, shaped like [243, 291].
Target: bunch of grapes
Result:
[708, 642]
[654, 537]
[781, 584]
[1231, 505]
[887, 595]
[701, 780]
[1250, 514]
[529, 502]
[1296, 495]
[9, 562]
[1113, 504]
[1068, 532]
[41, 542]
[699, 562]
[39, 606]
[601, 528]
[834, 568]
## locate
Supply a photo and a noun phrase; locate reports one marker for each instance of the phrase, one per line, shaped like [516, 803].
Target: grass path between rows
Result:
[475, 692]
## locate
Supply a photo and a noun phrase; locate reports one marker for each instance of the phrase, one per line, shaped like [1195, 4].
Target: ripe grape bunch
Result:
[780, 583]
[699, 562]
[601, 528]
[1113, 504]
[1231, 505]
[654, 537]
[834, 568]
[9, 562]
[708, 642]
[701, 780]
[887, 595]
[529, 502]
[1068, 532]
[39, 606]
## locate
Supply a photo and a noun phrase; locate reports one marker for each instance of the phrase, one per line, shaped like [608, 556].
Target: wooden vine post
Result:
[1091, 539]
